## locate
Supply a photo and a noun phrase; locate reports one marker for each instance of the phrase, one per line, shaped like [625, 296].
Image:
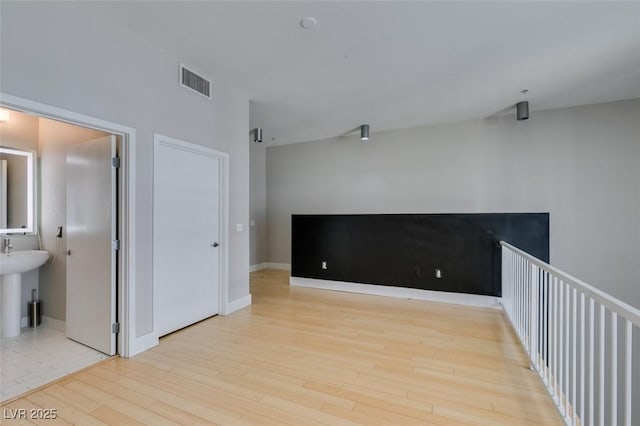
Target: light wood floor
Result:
[303, 356]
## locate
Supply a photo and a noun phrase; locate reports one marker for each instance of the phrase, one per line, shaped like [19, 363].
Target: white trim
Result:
[53, 323]
[270, 265]
[128, 342]
[45, 321]
[237, 304]
[400, 292]
[143, 343]
[256, 267]
[223, 157]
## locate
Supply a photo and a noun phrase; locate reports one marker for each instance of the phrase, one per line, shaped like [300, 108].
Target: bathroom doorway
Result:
[53, 344]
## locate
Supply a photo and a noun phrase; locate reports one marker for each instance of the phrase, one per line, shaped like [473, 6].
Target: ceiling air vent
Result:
[195, 82]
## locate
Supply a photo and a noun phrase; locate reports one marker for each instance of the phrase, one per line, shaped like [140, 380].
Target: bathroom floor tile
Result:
[39, 356]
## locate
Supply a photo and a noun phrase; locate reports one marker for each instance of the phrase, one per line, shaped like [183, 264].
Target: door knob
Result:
[215, 244]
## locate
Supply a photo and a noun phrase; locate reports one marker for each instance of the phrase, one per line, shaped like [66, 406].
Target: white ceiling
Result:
[396, 64]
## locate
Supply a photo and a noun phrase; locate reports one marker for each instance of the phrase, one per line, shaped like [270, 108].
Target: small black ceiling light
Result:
[522, 110]
[257, 134]
[364, 132]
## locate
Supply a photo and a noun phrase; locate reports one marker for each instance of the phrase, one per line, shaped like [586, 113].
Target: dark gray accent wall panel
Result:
[405, 250]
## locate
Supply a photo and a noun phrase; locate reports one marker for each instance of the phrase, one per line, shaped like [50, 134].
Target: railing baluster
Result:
[574, 340]
[592, 359]
[601, 395]
[614, 368]
[520, 299]
[525, 328]
[545, 321]
[628, 363]
[566, 348]
[505, 278]
[525, 300]
[582, 349]
[516, 287]
[510, 286]
[555, 339]
[516, 283]
[533, 321]
[528, 302]
[561, 353]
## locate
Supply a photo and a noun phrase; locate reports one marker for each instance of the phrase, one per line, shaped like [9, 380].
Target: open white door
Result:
[91, 232]
[186, 234]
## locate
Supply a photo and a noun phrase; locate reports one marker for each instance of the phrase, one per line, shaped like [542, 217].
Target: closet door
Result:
[186, 234]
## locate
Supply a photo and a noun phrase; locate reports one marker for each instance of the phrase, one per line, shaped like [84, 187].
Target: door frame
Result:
[223, 175]
[128, 344]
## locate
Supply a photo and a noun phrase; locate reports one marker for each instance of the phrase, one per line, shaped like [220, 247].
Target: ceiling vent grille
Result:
[195, 82]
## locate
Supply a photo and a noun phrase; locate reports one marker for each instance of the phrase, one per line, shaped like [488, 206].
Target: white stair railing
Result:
[579, 339]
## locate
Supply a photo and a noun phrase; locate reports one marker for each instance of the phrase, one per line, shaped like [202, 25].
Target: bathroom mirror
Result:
[17, 191]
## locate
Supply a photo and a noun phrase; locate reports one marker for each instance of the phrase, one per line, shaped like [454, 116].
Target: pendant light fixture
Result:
[364, 132]
[257, 134]
[522, 110]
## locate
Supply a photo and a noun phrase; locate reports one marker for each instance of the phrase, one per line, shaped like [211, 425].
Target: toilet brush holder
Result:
[35, 313]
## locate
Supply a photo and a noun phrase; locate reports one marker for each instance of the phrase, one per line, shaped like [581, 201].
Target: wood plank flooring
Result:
[302, 356]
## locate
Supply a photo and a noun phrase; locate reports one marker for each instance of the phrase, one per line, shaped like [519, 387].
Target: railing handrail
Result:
[622, 309]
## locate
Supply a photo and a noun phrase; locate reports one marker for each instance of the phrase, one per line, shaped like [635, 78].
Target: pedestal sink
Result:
[12, 265]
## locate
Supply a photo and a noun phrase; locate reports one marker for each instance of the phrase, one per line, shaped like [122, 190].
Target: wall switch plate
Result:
[252, 223]
[438, 273]
[239, 227]
[324, 264]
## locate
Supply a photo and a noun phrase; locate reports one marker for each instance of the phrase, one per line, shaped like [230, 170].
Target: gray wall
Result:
[580, 164]
[258, 204]
[57, 54]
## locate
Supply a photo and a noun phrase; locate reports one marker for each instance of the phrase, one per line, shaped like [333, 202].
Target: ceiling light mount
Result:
[308, 23]
[364, 132]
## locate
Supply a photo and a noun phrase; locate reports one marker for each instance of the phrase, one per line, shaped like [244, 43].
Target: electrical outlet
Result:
[239, 227]
[324, 264]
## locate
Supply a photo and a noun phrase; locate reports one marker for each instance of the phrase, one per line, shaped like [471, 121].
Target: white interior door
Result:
[91, 230]
[186, 234]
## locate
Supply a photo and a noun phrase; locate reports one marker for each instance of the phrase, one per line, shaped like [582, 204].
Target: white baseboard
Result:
[400, 292]
[142, 343]
[238, 304]
[257, 267]
[270, 265]
[45, 322]
[54, 323]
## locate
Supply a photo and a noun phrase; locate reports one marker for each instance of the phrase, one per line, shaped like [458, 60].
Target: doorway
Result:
[129, 341]
[188, 243]
[44, 351]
